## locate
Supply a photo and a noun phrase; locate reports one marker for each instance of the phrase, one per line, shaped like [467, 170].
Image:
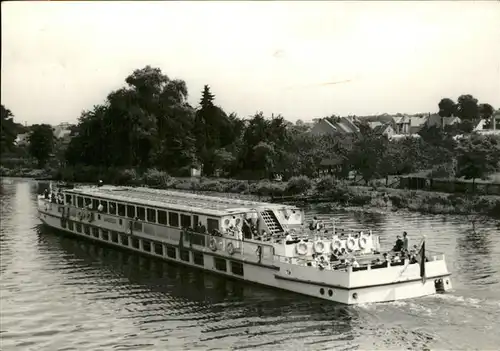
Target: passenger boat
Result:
[258, 242]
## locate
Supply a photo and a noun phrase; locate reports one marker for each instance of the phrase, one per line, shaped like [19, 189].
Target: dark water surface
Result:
[59, 293]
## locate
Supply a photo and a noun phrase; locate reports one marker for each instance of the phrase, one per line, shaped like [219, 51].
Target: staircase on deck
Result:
[272, 222]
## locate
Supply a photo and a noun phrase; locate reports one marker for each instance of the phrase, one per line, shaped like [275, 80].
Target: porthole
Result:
[322, 291]
[226, 222]
[238, 220]
[330, 292]
[355, 296]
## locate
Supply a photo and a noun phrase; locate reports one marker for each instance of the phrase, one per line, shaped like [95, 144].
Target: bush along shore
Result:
[300, 190]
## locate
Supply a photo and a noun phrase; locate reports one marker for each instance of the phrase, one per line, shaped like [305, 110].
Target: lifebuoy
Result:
[319, 247]
[351, 243]
[336, 245]
[363, 242]
[212, 244]
[230, 248]
[301, 248]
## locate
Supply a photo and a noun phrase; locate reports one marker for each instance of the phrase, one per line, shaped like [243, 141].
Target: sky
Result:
[60, 58]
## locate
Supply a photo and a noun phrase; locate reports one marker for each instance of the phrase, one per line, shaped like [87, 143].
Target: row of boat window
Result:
[152, 215]
[219, 263]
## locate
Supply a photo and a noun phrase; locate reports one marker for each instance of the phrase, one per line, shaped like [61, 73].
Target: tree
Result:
[447, 107]
[467, 107]
[213, 130]
[41, 143]
[8, 131]
[486, 111]
[264, 158]
[478, 156]
[366, 156]
[147, 123]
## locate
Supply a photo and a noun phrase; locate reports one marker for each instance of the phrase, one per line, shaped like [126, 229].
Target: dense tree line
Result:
[148, 124]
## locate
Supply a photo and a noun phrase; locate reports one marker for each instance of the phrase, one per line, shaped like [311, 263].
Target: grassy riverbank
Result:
[297, 189]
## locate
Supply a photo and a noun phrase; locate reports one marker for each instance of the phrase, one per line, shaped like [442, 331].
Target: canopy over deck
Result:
[189, 202]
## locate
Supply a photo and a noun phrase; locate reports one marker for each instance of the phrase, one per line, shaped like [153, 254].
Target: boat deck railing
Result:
[265, 253]
[365, 262]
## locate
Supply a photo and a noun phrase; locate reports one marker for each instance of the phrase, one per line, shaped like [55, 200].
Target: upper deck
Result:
[188, 202]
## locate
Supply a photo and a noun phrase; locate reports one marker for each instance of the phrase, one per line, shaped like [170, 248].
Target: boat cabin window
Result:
[95, 204]
[121, 210]
[104, 206]
[112, 208]
[79, 202]
[68, 199]
[151, 215]
[130, 211]
[185, 221]
[88, 202]
[162, 217]
[212, 224]
[141, 213]
[173, 219]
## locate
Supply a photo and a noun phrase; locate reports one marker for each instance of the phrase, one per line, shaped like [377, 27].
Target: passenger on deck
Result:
[321, 262]
[247, 229]
[264, 236]
[202, 228]
[385, 260]
[314, 223]
[413, 257]
[354, 263]
[399, 245]
[405, 241]
[53, 198]
[320, 225]
[288, 238]
[46, 194]
[333, 256]
[396, 259]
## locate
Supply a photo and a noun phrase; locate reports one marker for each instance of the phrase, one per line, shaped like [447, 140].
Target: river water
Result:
[60, 293]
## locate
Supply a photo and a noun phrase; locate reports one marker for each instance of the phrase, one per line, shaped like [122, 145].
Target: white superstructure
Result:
[255, 241]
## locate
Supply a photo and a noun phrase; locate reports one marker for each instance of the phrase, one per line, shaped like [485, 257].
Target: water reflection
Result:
[476, 263]
[218, 299]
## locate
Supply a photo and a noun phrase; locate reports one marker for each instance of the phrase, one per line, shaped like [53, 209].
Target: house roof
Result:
[479, 125]
[381, 128]
[374, 124]
[344, 126]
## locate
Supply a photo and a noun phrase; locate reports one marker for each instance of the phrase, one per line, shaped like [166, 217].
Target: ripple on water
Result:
[64, 294]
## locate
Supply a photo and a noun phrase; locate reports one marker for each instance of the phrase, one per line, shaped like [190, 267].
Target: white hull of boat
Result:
[380, 285]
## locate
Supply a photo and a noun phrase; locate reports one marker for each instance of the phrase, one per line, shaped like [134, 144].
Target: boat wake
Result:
[469, 301]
